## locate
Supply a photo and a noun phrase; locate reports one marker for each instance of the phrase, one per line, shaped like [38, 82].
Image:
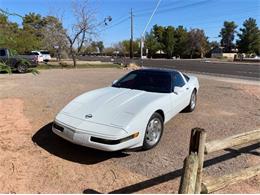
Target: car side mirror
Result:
[114, 82]
[174, 91]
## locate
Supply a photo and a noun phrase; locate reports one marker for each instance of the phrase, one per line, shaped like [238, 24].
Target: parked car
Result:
[46, 56]
[38, 54]
[18, 62]
[129, 114]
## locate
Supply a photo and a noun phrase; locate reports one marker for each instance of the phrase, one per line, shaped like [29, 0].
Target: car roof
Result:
[157, 70]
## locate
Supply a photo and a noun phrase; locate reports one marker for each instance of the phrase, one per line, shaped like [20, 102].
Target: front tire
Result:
[154, 131]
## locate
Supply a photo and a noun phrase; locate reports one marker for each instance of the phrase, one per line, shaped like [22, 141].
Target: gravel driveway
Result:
[34, 160]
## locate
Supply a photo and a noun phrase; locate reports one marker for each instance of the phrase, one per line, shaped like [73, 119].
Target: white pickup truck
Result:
[43, 56]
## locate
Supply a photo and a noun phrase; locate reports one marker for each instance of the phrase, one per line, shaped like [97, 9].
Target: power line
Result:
[174, 8]
[116, 24]
[123, 19]
[231, 16]
[117, 19]
[140, 11]
[5, 12]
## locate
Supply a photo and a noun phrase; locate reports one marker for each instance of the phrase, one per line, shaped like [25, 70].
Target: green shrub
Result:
[5, 68]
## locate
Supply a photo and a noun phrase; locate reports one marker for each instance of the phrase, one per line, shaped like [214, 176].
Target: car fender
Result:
[141, 119]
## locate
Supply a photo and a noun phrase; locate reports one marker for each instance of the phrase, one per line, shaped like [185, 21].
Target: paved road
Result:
[238, 70]
[251, 71]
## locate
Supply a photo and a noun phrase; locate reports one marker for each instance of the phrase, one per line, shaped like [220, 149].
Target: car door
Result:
[180, 93]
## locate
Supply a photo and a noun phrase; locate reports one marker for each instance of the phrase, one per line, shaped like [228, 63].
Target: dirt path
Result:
[33, 160]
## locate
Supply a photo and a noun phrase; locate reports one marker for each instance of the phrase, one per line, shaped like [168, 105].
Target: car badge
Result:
[88, 116]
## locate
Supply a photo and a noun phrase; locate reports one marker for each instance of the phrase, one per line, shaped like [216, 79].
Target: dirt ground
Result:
[34, 160]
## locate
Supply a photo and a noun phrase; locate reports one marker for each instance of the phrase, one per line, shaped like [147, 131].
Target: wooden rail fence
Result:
[192, 182]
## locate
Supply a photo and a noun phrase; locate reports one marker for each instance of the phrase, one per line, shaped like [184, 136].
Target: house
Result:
[217, 52]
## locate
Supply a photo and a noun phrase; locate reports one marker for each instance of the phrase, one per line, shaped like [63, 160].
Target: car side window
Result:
[178, 80]
[126, 81]
[186, 77]
[2, 52]
[128, 78]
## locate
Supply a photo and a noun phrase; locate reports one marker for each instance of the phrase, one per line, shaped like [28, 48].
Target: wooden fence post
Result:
[192, 180]
[198, 140]
[189, 175]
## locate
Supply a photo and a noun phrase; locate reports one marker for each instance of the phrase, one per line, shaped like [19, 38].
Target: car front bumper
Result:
[95, 141]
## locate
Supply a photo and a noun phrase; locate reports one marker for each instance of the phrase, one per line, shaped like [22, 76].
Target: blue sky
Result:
[206, 14]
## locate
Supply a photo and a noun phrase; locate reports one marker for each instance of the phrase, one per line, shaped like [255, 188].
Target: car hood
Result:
[110, 105]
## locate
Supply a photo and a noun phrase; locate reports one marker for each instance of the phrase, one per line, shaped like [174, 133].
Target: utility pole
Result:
[132, 36]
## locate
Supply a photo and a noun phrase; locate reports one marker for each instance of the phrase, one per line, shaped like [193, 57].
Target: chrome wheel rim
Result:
[153, 132]
[193, 100]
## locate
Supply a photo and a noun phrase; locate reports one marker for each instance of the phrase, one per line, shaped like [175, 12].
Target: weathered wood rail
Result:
[232, 141]
[212, 185]
[192, 182]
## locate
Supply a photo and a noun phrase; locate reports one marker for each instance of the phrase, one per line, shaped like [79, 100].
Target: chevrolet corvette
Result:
[131, 113]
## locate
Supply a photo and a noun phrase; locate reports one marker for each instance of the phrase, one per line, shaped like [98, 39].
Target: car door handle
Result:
[187, 88]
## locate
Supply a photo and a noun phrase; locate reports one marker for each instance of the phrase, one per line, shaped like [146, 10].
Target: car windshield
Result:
[151, 81]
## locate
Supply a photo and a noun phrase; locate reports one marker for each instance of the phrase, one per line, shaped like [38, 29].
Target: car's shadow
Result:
[57, 146]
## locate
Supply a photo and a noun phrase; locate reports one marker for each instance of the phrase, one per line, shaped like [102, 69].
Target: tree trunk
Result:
[74, 60]
[73, 56]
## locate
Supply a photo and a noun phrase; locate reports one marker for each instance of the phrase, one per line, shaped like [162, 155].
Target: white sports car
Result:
[129, 114]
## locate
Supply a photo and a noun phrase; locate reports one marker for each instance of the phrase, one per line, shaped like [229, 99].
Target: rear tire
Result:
[193, 102]
[154, 131]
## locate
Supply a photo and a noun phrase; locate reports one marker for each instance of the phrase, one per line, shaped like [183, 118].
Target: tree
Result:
[3, 20]
[168, 41]
[151, 43]
[109, 51]
[100, 46]
[15, 38]
[81, 29]
[158, 32]
[54, 38]
[124, 47]
[33, 21]
[31, 35]
[181, 41]
[26, 42]
[8, 32]
[227, 35]
[197, 42]
[213, 44]
[249, 38]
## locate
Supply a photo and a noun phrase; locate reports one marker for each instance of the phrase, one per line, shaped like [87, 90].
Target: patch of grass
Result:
[5, 68]
[34, 71]
[68, 66]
